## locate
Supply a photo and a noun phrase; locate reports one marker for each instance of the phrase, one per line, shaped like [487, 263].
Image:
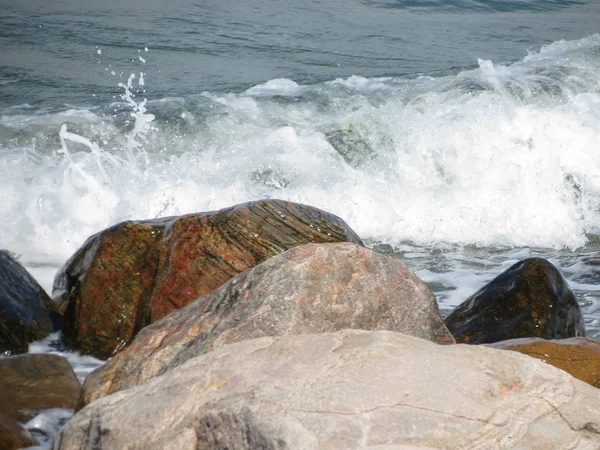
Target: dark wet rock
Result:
[579, 357]
[135, 273]
[26, 312]
[311, 288]
[530, 299]
[13, 435]
[354, 148]
[32, 383]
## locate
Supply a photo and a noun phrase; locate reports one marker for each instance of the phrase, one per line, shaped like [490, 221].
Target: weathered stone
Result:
[135, 273]
[103, 287]
[346, 390]
[312, 288]
[579, 357]
[13, 435]
[26, 312]
[530, 299]
[31, 383]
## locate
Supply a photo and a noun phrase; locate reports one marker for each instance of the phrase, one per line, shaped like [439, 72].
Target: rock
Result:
[579, 357]
[31, 383]
[312, 288]
[13, 435]
[346, 390]
[530, 299]
[27, 313]
[135, 273]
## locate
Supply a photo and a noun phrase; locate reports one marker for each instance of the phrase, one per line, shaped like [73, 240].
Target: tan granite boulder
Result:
[579, 357]
[346, 390]
[311, 288]
[135, 273]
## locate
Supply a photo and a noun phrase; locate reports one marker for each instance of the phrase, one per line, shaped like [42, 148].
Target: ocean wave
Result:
[500, 155]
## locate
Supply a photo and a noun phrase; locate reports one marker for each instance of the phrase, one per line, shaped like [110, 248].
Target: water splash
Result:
[502, 155]
[142, 123]
[136, 158]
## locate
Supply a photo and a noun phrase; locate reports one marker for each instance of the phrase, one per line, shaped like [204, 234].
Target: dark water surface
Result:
[48, 52]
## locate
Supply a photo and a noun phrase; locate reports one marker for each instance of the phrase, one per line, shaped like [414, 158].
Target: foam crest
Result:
[502, 155]
[279, 86]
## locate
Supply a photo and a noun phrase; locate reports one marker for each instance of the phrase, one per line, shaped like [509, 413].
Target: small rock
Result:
[13, 435]
[31, 383]
[27, 314]
[135, 273]
[311, 288]
[579, 357]
[530, 299]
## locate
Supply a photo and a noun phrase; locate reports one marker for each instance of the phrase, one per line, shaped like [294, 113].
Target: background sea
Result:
[458, 135]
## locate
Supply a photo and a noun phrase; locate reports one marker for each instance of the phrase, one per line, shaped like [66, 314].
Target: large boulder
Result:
[135, 273]
[530, 299]
[346, 390]
[312, 288]
[26, 312]
[32, 383]
[579, 357]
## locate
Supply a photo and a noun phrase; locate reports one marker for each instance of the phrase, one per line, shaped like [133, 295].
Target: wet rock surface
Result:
[32, 383]
[530, 299]
[135, 273]
[579, 357]
[349, 389]
[26, 312]
[311, 288]
[13, 435]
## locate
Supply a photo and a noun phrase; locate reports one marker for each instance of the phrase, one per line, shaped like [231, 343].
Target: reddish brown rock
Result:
[309, 289]
[135, 273]
[104, 287]
[26, 312]
[13, 435]
[578, 356]
[31, 383]
[530, 299]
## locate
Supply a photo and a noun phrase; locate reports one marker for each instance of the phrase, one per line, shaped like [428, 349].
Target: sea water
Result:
[459, 136]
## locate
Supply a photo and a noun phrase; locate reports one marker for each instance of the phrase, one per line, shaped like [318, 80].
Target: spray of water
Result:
[502, 155]
[136, 159]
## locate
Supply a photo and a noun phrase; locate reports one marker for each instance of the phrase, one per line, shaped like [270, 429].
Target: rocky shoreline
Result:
[270, 325]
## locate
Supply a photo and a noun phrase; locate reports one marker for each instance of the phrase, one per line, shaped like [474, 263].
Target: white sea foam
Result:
[279, 86]
[45, 425]
[52, 344]
[502, 155]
